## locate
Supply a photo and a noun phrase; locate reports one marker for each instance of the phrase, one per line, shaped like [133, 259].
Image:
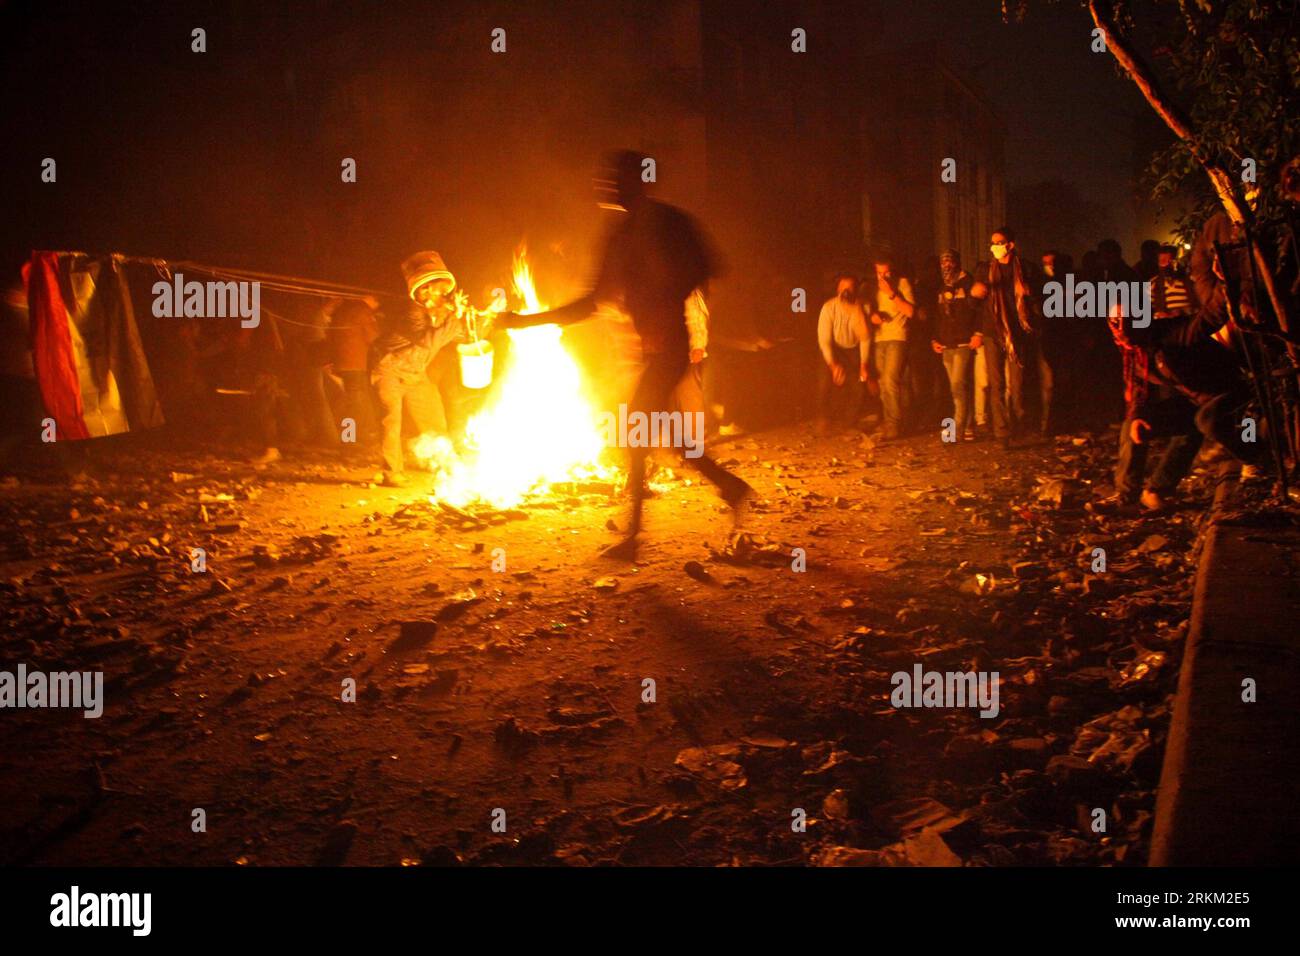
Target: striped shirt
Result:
[1170, 293]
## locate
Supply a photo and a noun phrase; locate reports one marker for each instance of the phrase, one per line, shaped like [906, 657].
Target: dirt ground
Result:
[523, 689]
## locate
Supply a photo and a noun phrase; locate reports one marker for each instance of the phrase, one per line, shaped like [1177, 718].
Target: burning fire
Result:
[539, 428]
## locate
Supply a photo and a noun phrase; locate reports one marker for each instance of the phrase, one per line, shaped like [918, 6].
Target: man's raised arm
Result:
[565, 315]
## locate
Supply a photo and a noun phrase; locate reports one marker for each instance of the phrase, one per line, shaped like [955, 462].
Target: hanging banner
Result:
[90, 364]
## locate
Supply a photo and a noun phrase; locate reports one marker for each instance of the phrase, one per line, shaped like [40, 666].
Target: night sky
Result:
[1069, 115]
[232, 156]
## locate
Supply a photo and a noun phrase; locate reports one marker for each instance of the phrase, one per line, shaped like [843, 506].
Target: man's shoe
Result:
[1115, 505]
[1153, 502]
[737, 498]
[267, 457]
[394, 479]
[625, 550]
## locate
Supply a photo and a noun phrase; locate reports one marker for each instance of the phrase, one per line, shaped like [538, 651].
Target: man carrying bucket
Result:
[655, 257]
[400, 372]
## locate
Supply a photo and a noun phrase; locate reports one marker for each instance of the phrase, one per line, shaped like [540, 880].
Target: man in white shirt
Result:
[845, 347]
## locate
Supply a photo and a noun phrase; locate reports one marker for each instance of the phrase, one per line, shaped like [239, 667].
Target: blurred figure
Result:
[259, 366]
[927, 395]
[653, 260]
[306, 355]
[1207, 283]
[21, 408]
[1061, 343]
[352, 330]
[956, 336]
[1056, 264]
[845, 347]
[689, 396]
[1148, 260]
[1111, 266]
[1089, 265]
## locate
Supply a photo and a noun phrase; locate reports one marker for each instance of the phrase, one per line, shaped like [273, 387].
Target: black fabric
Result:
[841, 403]
[654, 394]
[956, 314]
[653, 260]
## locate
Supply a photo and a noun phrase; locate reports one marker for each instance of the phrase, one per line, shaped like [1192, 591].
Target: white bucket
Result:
[476, 363]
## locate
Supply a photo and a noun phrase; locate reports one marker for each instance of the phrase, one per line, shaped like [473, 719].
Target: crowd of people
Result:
[960, 354]
[343, 374]
[973, 355]
[963, 354]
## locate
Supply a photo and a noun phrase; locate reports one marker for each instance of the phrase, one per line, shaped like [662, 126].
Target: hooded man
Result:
[653, 260]
[400, 371]
[957, 336]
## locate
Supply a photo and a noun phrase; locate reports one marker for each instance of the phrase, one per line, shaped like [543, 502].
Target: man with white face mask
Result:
[1012, 336]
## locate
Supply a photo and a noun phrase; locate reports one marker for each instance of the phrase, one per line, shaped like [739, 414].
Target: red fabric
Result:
[52, 355]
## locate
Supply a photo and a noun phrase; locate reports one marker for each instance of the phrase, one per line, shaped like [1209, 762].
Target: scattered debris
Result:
[717, 764]
[697, 571]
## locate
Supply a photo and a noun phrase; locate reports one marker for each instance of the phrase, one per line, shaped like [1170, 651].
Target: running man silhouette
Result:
[653, 259]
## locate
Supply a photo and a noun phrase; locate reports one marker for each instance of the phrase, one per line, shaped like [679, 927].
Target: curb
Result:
[1230, 782]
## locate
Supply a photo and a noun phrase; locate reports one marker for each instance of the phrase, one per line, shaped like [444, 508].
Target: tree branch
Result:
[1169, 111]
[1181, 126]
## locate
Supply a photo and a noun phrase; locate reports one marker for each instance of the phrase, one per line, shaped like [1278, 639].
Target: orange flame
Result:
[538, 429]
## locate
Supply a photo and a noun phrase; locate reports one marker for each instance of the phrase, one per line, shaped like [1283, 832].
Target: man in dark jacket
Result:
[1197, 355]
[1154, 409]
[956, 336]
